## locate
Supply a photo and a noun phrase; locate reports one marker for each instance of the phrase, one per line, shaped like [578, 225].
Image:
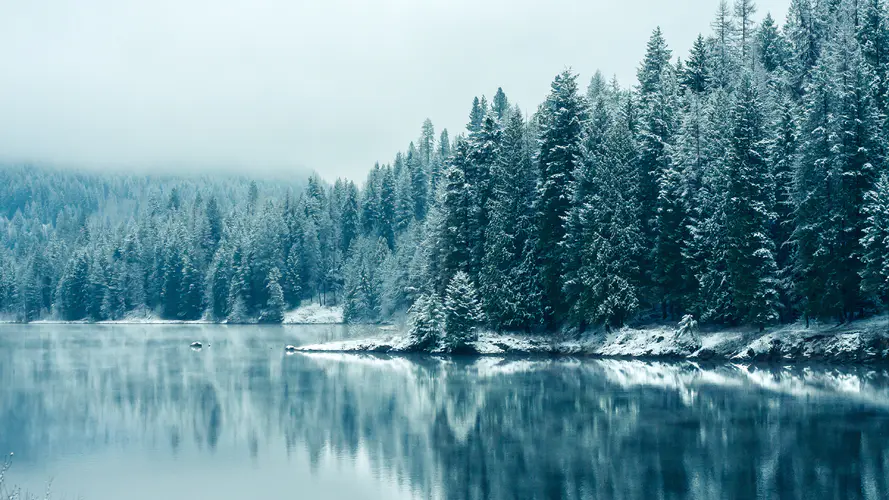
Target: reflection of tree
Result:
[455, 428]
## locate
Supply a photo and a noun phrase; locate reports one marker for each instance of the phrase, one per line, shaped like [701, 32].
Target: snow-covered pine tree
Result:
[697, 67]
[419, 180]
[708, 246]
[462, 313]
[426, 323]
[750, 259]
[561, 131]
[454, 240]
[658, 144]
[273, 312]
[476, 115]
[782, 149]
[770, 46]
[875, 243]
[509, 231]
[219, 283]
[608, 221]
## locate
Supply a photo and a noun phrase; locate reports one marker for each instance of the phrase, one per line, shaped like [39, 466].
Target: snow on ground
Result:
[314, 314]
[858, 342]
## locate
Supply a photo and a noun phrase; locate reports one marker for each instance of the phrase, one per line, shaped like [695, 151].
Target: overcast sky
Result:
[265, 86]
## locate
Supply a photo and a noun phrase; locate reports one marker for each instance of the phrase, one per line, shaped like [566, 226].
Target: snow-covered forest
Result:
[742, 183]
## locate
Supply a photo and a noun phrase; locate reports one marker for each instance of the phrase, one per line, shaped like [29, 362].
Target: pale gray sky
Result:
[275, 85]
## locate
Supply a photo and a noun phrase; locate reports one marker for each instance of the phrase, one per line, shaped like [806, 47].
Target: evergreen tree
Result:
[501, 104]
[770, 45]
[669, 227]
[273, 312]
[219, 284]
[875, 243]
[426, 323]
[504, 275]
[419, 185]
[462, 313]
[750, 260]
[697, 68]
[454, 244]
[476, 115]
[427, 142]
[560, 151]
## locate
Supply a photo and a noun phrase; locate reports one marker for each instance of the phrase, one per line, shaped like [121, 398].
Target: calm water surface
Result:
[131, 412]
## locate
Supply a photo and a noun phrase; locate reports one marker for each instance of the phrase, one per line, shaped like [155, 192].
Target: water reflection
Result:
[487, 428]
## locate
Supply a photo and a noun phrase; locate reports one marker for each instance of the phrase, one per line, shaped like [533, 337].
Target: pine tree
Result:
[501, 104]
[273, 312]
[172, 280]
[609, 236]
[771, 47]
[873, 38]
[669, 228]
[427, 142]
[484, 149]
[697, 68]
[214, 226]
[191, 291]
[462, 313]
[219, 284]
[114, 303]
[387, 207]
[875, 244]
[782, 155]
[503, 276]
[426, 323]
[561, 131]
[476, 115]
[803, 38]
[706, 175]
[750, 260]
[454, 241]
[96, 290]
[419, 182]
[404, 202]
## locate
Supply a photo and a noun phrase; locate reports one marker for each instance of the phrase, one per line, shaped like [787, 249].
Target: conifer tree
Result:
[750, 259]
[500, 105]
[697, 67]
[875, 243]
[564, 113]
[504, 281]
[462, 313]
[426, 323]
[273, 312]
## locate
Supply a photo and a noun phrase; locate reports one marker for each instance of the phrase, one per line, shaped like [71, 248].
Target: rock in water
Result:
[290, 349]
[196, 346]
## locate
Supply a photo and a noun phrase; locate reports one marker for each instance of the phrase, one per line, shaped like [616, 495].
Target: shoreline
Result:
[859, 342]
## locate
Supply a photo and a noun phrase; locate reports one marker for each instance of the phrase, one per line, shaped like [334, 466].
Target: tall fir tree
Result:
[750, 259]
[561, 129]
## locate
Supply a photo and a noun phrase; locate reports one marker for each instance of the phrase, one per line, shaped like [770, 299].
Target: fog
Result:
[282, 86]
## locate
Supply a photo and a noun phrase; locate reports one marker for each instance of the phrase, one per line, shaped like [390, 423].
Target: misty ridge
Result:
[742, 183]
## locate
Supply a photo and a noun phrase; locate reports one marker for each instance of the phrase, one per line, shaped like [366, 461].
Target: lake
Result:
[131, 412]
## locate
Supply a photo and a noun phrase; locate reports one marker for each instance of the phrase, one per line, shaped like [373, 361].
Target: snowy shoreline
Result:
[864, 341]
